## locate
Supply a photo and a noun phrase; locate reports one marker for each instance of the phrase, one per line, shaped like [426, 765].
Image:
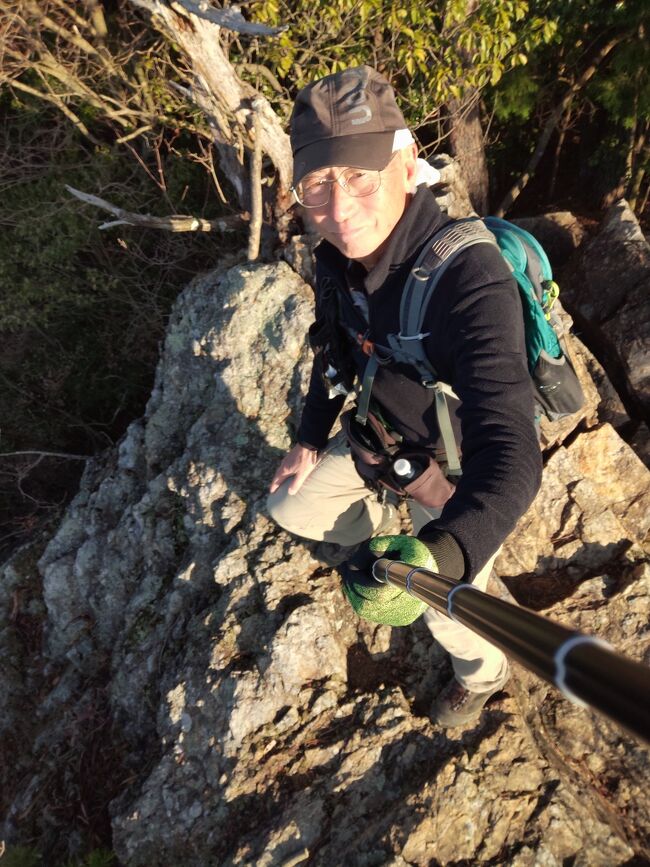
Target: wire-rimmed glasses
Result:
[315, 192]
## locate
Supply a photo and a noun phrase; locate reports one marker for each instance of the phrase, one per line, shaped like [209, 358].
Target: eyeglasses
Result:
[314, 192]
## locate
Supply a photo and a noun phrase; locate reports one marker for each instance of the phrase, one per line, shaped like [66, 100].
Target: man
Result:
[355, 176]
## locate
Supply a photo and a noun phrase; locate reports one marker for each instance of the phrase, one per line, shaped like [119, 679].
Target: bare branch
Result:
[264, 72]
[51, 25]
[229, 18]
[68, 10]
[206, 159]
[256, 185]
[51, 97]
[112, 223]
[97, 18]
[173, 223]
[223, 96]
[136, 132]
[52, 67]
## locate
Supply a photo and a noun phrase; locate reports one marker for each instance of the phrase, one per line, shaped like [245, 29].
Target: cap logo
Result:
[366, 115]
[357, 100]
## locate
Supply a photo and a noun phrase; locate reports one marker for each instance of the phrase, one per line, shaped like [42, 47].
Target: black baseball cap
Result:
[345, 119]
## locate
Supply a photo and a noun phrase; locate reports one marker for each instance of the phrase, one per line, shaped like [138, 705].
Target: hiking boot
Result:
[332, 554]
[457, 706]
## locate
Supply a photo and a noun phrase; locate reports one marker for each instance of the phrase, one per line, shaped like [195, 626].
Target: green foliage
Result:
[21, 856]
[25, 856]
[432, 52]
[82, 311]
[623, 89]
[516, 98]
[604, 116]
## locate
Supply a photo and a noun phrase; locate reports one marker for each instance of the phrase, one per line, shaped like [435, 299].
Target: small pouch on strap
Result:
[371, 445]
[374, 451]
[430, 487]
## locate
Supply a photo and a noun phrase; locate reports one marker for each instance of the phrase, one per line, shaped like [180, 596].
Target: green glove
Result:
[383, 603]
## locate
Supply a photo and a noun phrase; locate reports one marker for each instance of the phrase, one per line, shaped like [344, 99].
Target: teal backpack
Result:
[557, 388]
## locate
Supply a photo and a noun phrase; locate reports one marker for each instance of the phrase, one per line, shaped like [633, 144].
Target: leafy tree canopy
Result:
[431, 52]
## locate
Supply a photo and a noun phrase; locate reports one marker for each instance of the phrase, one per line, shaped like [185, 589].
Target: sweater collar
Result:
[419, 221]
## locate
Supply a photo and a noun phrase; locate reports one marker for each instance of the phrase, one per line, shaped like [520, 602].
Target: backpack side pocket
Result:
[558, 388]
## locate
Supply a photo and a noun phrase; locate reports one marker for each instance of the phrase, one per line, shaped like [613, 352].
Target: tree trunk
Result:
[468, 148]
[463, 126]
[226, 100]
[637, 167]
[562, 131]
[551, 124]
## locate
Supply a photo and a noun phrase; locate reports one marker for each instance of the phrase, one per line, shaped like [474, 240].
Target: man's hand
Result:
[299, 463]
[383, 603]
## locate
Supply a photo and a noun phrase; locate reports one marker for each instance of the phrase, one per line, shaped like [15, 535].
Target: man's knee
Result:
[275, 504]
[288, 510]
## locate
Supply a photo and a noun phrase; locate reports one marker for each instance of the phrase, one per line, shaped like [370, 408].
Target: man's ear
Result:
[409, 161]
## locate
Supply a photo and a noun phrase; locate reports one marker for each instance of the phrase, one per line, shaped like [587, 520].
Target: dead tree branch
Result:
[173, 223]
[230, 18]
[54, 50]
[221, 94]
[256, 187]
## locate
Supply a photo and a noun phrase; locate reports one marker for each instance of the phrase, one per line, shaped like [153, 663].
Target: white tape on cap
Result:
[402, 138]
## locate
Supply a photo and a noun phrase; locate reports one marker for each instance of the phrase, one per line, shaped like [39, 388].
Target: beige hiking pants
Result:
[333, 505]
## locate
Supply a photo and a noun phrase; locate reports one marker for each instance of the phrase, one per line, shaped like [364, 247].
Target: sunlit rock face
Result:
[246, 715]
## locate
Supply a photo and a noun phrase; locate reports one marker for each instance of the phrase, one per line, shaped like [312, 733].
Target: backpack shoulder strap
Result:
[434, 259]
[407, 346]
[436, 256]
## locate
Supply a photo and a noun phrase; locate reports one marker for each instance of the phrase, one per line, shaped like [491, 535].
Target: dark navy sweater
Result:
[476, 345]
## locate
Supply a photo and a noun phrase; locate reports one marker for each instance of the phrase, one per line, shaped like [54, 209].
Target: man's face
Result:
[359, 226]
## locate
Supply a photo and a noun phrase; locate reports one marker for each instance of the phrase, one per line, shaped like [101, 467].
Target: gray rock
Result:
[606, 290]
[451, 192]
[610, 407]
[243, 714]
[590, 753]
[559, 232]
[592, 509]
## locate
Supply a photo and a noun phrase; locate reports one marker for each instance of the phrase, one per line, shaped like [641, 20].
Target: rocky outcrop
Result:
[606, 289]
[559, 232]
[451, 190]
[204, 687]
[580, 555]
[593, 510]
